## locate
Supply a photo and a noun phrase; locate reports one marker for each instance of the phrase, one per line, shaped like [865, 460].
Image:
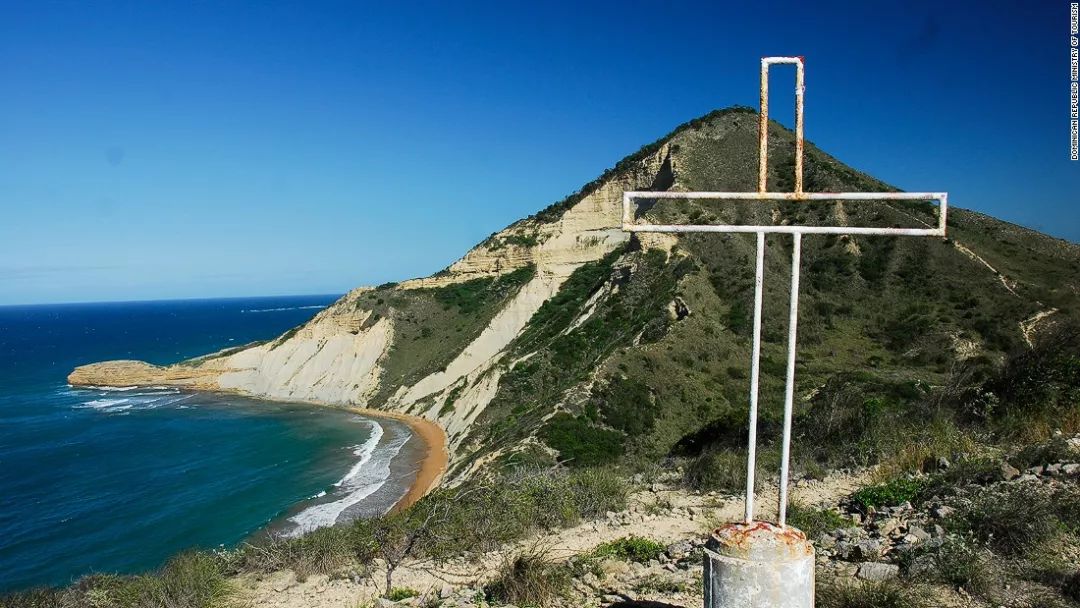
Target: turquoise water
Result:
[119, 480]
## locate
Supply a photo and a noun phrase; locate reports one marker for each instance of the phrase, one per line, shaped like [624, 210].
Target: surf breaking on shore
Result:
[381, 478]
[368, 476]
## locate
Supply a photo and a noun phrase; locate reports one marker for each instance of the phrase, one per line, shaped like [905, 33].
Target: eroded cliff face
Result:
[340, 356]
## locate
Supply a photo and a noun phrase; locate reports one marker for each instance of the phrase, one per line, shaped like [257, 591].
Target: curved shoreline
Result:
[432, 465]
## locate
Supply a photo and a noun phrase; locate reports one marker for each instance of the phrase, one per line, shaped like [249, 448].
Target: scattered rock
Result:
[889, 526]
[922, 566]
[942, 511]
[844, 533]
[920, 535]
[877, 571]
[678, 310]
[1009, 472]
[870, 549]
[680, 549]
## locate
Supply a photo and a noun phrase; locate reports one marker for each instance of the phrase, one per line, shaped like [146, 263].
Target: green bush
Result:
[631, 548]
[976, 470]
[526, 504]
[626, 404]
[597, 491]
[470, 296]
[1036, 390]
[889, 494]
[320, 551]
[815, 522]
[580, 444]
[189, 580]
[401, 593]
[531, 458]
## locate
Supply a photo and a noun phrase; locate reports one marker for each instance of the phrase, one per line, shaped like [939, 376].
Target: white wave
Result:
[102, 404]
[364, 452]
[134, 402]
[314, 307]
[365, 477]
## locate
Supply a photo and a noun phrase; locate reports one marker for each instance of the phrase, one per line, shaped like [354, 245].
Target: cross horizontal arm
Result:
[784, 229]
[941, 197]
[792, 196]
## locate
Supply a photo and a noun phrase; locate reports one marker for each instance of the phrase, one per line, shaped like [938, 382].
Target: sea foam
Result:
[146, 400]
[365, 477]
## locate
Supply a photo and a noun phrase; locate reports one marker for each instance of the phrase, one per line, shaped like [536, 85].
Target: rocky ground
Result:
[663, 512]
[866, 544]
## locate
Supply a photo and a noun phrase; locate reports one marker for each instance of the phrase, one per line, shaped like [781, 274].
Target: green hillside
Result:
[884, 321]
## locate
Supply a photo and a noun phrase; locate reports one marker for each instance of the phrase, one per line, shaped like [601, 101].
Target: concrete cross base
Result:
[758, 565]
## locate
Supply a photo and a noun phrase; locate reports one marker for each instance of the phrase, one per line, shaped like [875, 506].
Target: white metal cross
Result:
[796, 232]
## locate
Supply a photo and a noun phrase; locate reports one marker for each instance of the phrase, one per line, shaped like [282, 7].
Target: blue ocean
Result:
[119, 480]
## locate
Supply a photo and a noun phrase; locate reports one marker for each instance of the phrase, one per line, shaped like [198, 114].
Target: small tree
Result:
[414, 534]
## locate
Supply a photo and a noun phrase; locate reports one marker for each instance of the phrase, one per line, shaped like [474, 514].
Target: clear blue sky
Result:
[197, 149]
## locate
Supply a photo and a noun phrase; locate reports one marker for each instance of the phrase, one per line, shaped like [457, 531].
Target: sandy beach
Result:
[435, 460]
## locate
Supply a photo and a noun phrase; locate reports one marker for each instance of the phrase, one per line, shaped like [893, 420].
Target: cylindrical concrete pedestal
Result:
[759, 565]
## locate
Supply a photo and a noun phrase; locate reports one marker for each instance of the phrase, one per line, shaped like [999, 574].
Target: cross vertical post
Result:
[755, 370]
[756, 564]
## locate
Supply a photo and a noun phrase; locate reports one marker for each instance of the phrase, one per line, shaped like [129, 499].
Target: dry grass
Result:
[529, 579]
